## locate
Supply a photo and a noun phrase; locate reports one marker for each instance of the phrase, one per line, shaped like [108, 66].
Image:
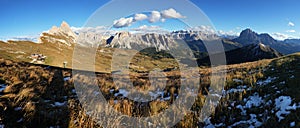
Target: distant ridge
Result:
[249, 53]
[250, 37]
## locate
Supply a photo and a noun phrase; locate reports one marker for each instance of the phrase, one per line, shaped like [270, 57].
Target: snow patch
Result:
[122, 92]
[292, 124]
[67, 78]
[283, 105]
[254, 100]
[18, 109]
[267, 81]
[59, 104]
[237, 80]
[156, 94]
[253, 122]
[208, 124]
[244, 112]
[238, 89]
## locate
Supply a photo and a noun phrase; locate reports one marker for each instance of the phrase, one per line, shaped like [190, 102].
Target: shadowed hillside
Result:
[261, 93]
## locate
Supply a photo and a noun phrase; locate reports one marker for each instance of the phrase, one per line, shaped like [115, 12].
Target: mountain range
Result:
[250, 46]
[263, 93]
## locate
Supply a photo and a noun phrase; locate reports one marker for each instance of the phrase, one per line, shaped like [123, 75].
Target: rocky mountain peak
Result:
[63, 29]
[248, 34]
[53, 30]
[122, 34]
[62, 35]
[250, 37]
[64, 24]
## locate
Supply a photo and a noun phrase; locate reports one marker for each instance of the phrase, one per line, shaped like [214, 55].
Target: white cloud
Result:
[33, 38]
[140, 17]
[171, 13]
[123, 22]
[238, 28]
[291, 24]
[280, 36]
[89, 29]
[291, 31]
[204, 29]
[228, 33]
[149, 29]
[95, 30]
[154, 17]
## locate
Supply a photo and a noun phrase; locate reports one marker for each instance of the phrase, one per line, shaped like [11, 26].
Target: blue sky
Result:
[30, 17]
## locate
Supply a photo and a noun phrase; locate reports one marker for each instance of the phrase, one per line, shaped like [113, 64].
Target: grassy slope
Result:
[58, 53]
[37, 85]
[283, 74]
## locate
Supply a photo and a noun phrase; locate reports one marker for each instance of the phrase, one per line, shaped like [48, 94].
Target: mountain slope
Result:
[252, 52]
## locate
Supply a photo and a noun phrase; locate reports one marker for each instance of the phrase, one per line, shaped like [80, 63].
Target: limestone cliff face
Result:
[126, 40]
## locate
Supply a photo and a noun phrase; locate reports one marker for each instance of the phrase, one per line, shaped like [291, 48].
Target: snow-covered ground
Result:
[277, 105]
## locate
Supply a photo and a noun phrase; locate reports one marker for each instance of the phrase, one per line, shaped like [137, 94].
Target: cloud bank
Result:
[140, 17]
[123, 22]
[291, 31]
[171, 13]
[149, 29]
[281, 36]
[154, 16]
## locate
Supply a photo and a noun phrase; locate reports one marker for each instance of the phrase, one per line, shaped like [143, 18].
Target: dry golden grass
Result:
[36, 89]
[57, 54]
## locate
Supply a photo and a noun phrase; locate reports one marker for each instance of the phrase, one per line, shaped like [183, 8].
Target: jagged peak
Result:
[248, 32]
[65, 24]
[122, 34]
[63, 34]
